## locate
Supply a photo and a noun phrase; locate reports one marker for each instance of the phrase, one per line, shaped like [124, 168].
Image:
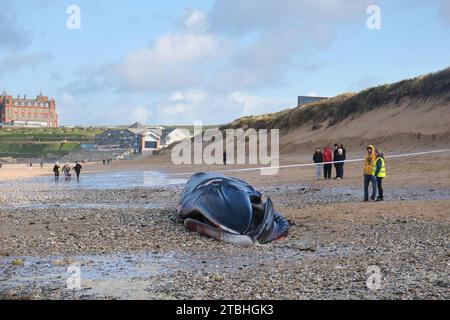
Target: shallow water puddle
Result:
[102, 181]
[98, 274]
[47, 206]
[132, 276]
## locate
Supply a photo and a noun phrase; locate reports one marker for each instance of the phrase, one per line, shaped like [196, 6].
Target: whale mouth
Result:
[229, 210]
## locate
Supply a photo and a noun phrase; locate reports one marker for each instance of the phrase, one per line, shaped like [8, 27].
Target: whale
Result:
[229, 209]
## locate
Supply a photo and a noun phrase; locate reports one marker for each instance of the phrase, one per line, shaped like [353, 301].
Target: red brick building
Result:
[23, 112]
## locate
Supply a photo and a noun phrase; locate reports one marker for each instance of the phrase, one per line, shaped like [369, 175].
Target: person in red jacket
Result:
[327, 159]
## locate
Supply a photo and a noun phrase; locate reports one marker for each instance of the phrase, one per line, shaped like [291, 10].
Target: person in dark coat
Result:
[339, 164]
[335, 156]
[66, 169]
[77, 169]
[318, 160]
[344, 151]
[56, 170]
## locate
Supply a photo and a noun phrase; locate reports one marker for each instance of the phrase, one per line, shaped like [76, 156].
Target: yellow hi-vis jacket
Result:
[369, 161]
[382, 172]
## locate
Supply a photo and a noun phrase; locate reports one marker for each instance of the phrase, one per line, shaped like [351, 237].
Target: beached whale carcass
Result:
[230, 210]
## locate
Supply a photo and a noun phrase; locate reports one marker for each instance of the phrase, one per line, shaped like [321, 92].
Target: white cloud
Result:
[195, 20]
[139, 114]
[198, 105]
[171, 63]
[195, 105]
[253, 104]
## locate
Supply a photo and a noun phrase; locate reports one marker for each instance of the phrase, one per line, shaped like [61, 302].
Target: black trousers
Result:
[327, 170]
[380, 188]
[339, 170]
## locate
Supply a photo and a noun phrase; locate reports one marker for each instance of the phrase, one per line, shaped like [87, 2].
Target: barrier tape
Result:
[313, 164]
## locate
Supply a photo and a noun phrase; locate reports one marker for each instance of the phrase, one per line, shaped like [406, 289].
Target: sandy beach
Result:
[119, 227]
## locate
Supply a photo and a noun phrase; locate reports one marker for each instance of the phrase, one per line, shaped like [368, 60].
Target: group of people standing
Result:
[326, 159]
[57, 168]
[374, 173]
[374, 168]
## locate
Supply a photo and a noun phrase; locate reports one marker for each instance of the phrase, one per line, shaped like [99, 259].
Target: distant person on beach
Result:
[339, 164]
[379, 172]
[56, 170]
[369, 162]
[66, 170]
[31, 165]
[327, 159]
[42, 164]
[335, 156]
[344, 151]
[318, 160]
[77, 169]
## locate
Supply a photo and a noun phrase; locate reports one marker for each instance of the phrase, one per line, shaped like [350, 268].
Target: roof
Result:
[137, 125]
[137, 130]
[156, 132]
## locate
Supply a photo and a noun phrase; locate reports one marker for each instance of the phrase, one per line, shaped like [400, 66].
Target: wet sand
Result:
[127, 244]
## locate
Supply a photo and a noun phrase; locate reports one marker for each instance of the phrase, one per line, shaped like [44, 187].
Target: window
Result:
[150, 145]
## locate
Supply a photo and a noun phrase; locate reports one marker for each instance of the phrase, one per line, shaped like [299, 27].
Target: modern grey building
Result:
[140, 138]
[137, 137]
[306, 99]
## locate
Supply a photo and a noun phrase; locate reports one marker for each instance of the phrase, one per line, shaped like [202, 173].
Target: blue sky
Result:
[174, 62]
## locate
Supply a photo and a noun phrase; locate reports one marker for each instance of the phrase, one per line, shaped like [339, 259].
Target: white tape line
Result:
[313, 164]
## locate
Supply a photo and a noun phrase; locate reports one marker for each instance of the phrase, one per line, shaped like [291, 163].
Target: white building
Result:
[174, 135]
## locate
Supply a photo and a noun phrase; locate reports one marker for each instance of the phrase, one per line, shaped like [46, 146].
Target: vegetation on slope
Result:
[38, 150]
[39, 142]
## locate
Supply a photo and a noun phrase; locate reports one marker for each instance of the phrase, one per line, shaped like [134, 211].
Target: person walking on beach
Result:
[379, 172]
[369, 162]
[327, 159]
[339, 164]
[77, 169]
[318, 160]
[56, 170]
[66, 170]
